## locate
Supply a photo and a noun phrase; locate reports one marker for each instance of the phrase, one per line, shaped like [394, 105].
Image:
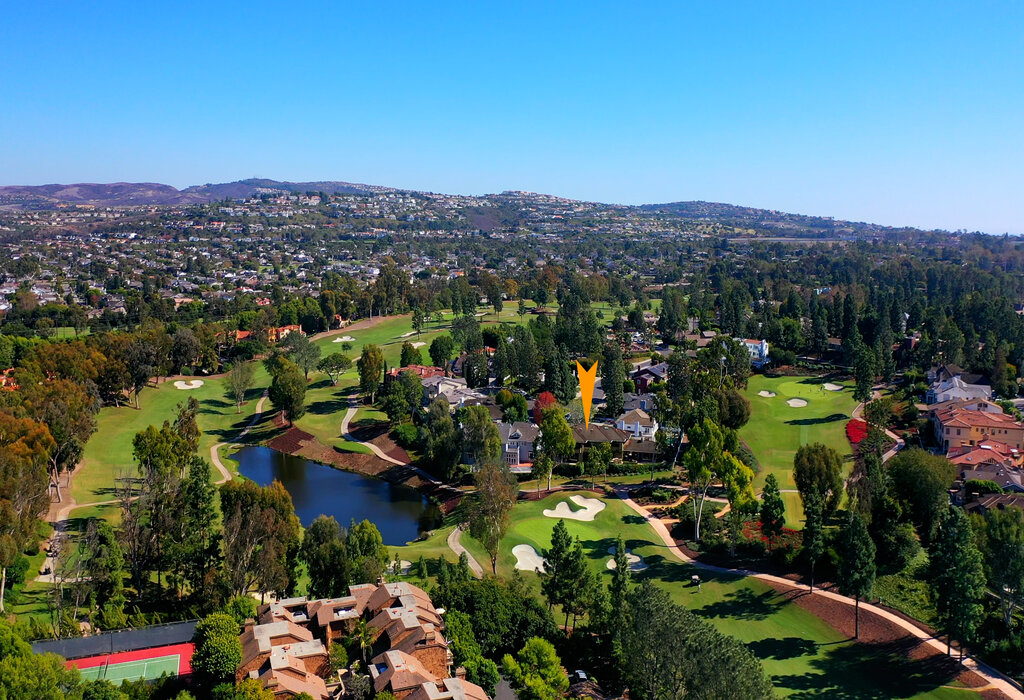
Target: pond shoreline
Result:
[400, 512]
[299, 443]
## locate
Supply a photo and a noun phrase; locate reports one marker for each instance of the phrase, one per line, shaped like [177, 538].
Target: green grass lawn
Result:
[776, 430]
[804, 656]
[108, 454]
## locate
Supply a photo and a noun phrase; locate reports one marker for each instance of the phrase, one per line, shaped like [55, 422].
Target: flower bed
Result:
[856, 430]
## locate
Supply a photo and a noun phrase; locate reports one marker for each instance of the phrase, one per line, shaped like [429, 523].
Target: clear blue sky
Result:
[898, 113]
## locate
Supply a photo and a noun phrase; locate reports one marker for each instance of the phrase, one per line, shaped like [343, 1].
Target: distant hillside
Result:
[119, 194]
[766, 220]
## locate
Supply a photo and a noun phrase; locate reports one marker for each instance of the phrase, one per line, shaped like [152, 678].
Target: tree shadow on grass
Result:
[872, 671]
[210, 405]
[785, 648]
[818, 421]
[744, 604]
[232, 431]
[633, 520]
[327, 407]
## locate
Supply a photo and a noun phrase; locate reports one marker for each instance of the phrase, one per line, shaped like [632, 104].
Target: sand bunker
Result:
[829, 386]
[591, 507]
[635, 562]
[766, 394]
[406, 335]
[418, 344]
[527, 558]
[403, 567]
[344, 339]
[796, 403]
[185, 386]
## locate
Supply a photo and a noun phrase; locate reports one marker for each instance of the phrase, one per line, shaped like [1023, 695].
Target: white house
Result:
[517, 441]
[638, 423]
[950, 383]
[758, 350]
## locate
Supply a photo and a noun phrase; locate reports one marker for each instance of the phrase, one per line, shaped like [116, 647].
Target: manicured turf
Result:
[148, 669]
[776, 430]
[805, 656]
[108, 454]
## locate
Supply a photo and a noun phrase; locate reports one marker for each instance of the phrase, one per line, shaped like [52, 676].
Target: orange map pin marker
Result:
[587, 377]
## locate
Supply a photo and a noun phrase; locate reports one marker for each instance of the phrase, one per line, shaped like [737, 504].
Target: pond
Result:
[399, 512]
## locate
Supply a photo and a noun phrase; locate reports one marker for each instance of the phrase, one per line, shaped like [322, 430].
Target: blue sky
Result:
[898, 113]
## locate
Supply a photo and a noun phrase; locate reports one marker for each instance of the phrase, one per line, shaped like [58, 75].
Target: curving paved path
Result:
[225, 474]
[353, 406]
[993, 677]
[455, 544]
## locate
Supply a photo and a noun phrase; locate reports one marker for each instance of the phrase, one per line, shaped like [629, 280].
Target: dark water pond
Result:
[399, 512]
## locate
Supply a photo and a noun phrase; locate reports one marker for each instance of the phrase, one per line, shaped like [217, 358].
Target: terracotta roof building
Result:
[956, 427]
[288, 649]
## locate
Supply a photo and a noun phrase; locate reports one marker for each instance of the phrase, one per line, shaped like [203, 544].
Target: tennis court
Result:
[149, 669]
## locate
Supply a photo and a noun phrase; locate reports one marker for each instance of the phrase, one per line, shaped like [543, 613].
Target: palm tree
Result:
[366, 636]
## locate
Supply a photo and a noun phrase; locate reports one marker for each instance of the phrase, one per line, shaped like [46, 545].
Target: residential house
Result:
[638, 423]
[453, 389]
[398, 673]
[987, 453]
[276, 335]
[950, 383]
[758, 350]
[1009, 479]
[597, 432]
[260, 640]
[644, 402]
[956, 427]
[448, 689]
[517, 441]
[285, 675]
[995, 501]
[287, 650]
[644, 377]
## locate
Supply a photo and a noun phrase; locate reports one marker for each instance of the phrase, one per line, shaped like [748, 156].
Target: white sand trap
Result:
[829, 386]
[406, 335]
[635, 562]
[796, 403]
[527, 558]
[591, 507]
[404, 567]
[766, 394]
[418, 344]
[344, 339]
[185, 386]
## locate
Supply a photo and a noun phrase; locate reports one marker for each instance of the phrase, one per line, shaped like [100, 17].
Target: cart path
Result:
[353, 407]
[993, 677]
[225, 474]
[455, 544]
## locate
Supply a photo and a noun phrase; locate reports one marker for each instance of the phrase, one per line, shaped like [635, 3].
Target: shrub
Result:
[406, 436]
